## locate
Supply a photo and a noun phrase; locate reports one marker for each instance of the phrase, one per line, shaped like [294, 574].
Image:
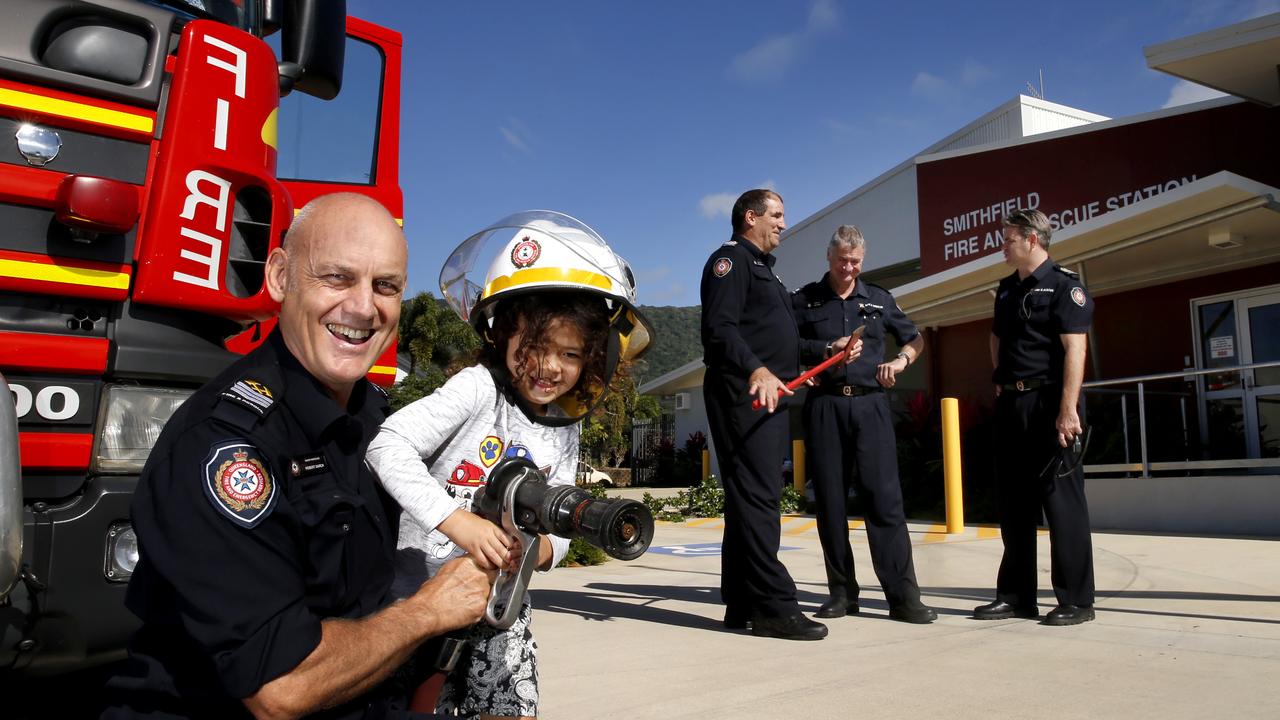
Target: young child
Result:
[556, 314]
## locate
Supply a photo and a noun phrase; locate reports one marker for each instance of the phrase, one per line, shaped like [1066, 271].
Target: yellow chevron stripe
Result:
[67, 274]
[66, 108]
[382, 370]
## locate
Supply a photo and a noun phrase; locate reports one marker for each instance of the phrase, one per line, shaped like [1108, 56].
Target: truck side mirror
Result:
[313, 47]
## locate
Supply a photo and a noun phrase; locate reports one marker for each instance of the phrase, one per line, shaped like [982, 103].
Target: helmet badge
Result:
[526, 252]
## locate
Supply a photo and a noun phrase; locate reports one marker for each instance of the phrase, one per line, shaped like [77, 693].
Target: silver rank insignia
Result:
[251, 394]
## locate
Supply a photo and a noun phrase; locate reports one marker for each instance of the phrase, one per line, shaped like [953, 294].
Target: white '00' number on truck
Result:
[45, 401]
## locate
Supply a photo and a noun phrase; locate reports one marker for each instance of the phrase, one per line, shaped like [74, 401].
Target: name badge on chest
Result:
[307, 465]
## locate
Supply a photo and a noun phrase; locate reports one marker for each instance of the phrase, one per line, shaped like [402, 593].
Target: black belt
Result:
[847, 390]
[1026, 385]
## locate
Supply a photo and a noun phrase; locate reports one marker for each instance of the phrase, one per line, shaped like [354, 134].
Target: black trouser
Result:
[844, 433]
[750, 446]
[1029, 479]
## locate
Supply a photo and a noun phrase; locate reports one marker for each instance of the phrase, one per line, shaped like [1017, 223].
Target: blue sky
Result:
[646, 119]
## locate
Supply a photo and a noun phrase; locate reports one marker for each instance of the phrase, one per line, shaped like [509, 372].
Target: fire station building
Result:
[1171, 219]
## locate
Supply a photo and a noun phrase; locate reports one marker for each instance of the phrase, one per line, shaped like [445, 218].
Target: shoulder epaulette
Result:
[1069, 273]
[245, 402]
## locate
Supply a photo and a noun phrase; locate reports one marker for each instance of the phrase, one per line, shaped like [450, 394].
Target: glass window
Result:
[1269, 425]
[335, 140]
[1226, 429]
[1264, 341]
[235, 13]
[1218, 342]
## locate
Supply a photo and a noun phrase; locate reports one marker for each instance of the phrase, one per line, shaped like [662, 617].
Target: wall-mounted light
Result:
[1225, 240]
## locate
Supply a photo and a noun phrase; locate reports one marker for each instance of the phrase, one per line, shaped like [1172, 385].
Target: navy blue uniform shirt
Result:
[824, 316]
[1031, 314]
[257, 518]
[747, 321]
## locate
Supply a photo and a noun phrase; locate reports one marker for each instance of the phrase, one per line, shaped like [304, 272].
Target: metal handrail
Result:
[10, 493]
[1146, 466]
[1176, 375]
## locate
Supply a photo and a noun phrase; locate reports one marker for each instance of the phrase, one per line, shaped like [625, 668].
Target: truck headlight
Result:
[131, 420]
[122, 553]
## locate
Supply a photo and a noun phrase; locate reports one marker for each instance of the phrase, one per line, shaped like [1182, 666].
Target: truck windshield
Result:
[242, 14]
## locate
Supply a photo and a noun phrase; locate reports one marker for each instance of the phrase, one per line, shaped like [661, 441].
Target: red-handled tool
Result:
[813, 371]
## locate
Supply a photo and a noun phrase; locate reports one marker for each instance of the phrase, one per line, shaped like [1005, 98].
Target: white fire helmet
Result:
[540, 250]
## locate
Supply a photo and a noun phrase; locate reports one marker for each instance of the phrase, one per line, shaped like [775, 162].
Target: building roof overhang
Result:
[685, 377]
[1238, 59]
[1218, 223]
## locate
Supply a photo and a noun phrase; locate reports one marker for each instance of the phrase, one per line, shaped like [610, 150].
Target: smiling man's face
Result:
[339, 281]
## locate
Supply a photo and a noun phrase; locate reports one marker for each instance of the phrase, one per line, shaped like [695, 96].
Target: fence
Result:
[647, 439]
[1155, 426]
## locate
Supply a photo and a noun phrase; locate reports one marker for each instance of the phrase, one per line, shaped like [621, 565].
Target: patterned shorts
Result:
[497, 676]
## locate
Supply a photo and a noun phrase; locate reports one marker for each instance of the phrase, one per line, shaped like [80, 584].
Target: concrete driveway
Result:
[1188, 627]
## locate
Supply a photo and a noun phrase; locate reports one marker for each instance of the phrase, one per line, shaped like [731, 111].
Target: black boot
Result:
[838, 606]
[912, 611]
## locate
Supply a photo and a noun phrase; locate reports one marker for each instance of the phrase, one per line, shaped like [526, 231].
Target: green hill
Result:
[677, 340]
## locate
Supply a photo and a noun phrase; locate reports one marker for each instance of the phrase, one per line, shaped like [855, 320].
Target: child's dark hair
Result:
[538, 311]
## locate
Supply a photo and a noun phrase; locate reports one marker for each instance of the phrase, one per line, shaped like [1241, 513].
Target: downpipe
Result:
[10, 493]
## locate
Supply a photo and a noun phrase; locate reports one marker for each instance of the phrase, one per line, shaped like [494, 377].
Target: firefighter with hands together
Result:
[1038, 346]
[266, 544]
[848, 426]
[751, 347]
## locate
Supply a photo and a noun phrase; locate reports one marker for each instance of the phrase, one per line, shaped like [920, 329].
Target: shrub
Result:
[706, 499]
[792, 500]
[582, 552]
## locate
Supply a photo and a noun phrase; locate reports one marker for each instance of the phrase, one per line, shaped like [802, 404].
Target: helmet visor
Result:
[542, 249]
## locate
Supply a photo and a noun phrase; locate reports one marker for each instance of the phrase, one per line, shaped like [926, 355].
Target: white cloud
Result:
[717, 205]
[973, 73]
[652, 275]
[773, 57]
[823, 15]
[516, 133]
[938, 88]
[1185, 92]
[930, 87]
[770, 59]
[721, 204]
[838, 126]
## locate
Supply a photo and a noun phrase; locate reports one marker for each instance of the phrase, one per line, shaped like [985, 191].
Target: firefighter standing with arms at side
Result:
[1038, 345]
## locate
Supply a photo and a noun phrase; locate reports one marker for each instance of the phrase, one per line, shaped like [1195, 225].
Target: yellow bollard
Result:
[797, 465]
[951, 465]
[706, 464]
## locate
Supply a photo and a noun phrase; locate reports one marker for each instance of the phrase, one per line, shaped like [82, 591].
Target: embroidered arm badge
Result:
[237, 482]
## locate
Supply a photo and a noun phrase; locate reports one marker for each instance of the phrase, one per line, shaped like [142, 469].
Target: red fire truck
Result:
[156, 157]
